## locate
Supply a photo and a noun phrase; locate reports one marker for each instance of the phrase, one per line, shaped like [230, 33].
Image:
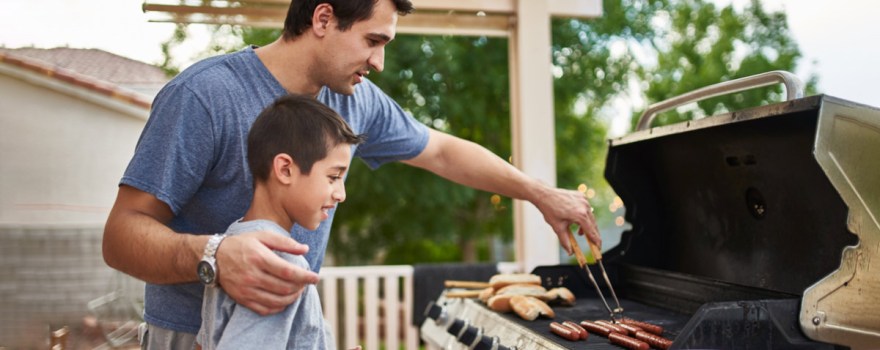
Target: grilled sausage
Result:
[627, 342]
[613, 327]
[596, 328]
[564, 331]
[630, 329]
[650, 328]
[581, 331]
[654, 340]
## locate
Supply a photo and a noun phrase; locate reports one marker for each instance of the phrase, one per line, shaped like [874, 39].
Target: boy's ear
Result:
[284, 168]
[321, 19]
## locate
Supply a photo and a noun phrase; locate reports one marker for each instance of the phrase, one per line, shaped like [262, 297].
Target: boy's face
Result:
[313, 195]
[351, 54]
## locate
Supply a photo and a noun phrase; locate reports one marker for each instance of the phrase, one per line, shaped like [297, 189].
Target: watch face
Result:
[206, 272]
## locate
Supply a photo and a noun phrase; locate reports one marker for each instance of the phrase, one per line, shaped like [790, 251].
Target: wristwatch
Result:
[207, 270]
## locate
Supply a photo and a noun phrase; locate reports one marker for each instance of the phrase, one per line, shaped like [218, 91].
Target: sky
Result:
[838, 39]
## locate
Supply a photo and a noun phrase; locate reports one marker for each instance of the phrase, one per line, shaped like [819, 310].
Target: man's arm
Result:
[472, 165]
[138, 241]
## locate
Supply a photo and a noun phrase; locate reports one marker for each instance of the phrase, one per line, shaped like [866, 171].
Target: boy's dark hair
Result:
[299, 126]
[347, 12]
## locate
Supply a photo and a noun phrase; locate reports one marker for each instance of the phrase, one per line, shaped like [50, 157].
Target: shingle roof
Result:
[94, 69]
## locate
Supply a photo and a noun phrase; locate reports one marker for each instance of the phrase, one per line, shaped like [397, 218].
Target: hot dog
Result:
[654, 340]
[596, 328]
[630, 329]
[627, 342]
[650, 328]
[581, 331]
[613, 327]
[564, 331]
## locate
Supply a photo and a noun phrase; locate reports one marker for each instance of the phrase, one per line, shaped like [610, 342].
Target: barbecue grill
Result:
[754, 229]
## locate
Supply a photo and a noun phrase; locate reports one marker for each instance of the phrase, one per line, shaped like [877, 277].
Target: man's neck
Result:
[291, 62]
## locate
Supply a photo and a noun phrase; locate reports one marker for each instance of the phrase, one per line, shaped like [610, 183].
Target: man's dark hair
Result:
[299, 126]
[347, 12]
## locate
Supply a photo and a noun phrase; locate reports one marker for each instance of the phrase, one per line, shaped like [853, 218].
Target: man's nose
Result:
[377, 60]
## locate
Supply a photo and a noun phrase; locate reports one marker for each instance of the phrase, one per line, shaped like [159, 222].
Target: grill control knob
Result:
[457, 328]
[438, 314]
[486, 343]
[470, 336]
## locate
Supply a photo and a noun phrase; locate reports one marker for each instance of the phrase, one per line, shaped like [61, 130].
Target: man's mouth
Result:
[360, 75]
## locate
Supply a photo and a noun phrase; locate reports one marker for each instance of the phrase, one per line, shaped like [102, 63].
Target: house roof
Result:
[115, 76]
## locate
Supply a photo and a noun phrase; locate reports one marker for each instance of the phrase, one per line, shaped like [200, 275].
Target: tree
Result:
[402, 215]
[703, 44]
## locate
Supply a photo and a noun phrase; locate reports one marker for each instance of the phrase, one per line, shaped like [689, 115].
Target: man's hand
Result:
[563, 208]
[254, 276]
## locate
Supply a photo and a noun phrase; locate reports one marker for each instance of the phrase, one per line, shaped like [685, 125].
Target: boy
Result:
[298, 151]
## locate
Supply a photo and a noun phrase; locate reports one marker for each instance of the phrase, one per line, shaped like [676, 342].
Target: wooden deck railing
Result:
[372, 305]
[365, 315]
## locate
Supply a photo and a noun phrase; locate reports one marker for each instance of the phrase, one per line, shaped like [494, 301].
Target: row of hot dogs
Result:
[628, 333]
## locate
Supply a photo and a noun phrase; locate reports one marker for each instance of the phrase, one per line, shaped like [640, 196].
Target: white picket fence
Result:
[361, 311]
[363, 317]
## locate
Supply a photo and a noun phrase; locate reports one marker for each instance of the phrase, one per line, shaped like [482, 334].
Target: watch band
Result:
[212, 245]
[208, 271]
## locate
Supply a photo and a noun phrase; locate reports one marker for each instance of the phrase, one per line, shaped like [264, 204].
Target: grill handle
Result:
[794, 88]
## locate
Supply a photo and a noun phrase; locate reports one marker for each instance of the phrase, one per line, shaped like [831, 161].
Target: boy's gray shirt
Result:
[191, 156]
[227, 325]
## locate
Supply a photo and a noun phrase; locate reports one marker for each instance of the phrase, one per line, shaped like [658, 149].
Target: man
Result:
[188, 177]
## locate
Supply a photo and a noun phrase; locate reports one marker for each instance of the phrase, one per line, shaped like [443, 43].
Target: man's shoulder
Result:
[211, 69]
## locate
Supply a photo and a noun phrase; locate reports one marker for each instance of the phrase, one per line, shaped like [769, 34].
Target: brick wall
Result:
[48, 275]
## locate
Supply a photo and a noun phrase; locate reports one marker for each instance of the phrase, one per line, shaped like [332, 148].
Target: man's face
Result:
[352, 54]
[313, 195]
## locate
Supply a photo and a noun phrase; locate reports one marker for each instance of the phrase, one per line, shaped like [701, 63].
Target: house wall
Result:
[62, 152]
[60, 157]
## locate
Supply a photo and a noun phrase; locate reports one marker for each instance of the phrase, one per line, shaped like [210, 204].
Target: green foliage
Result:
[459, 85]
[589, 74]
[702, 44]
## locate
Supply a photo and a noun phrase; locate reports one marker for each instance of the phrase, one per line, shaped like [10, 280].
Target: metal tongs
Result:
[582, 261]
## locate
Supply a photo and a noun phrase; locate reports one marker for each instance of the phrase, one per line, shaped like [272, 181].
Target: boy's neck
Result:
[264, 207]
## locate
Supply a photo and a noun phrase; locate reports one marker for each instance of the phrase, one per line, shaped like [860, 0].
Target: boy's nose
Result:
[339, 194]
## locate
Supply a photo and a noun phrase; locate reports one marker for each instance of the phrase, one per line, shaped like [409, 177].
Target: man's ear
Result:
[321, 19]
[284, 169]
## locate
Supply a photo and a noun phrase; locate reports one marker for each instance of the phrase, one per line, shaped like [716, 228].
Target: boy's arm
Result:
[299, 323]
[137, 241]
[472, 165]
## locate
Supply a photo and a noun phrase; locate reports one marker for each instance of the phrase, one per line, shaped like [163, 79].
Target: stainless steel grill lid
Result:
[780, 198]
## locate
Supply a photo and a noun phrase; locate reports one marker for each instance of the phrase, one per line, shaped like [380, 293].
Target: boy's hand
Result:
[254, 276]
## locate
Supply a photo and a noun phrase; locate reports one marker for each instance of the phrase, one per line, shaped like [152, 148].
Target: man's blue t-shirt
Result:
[191, 155]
